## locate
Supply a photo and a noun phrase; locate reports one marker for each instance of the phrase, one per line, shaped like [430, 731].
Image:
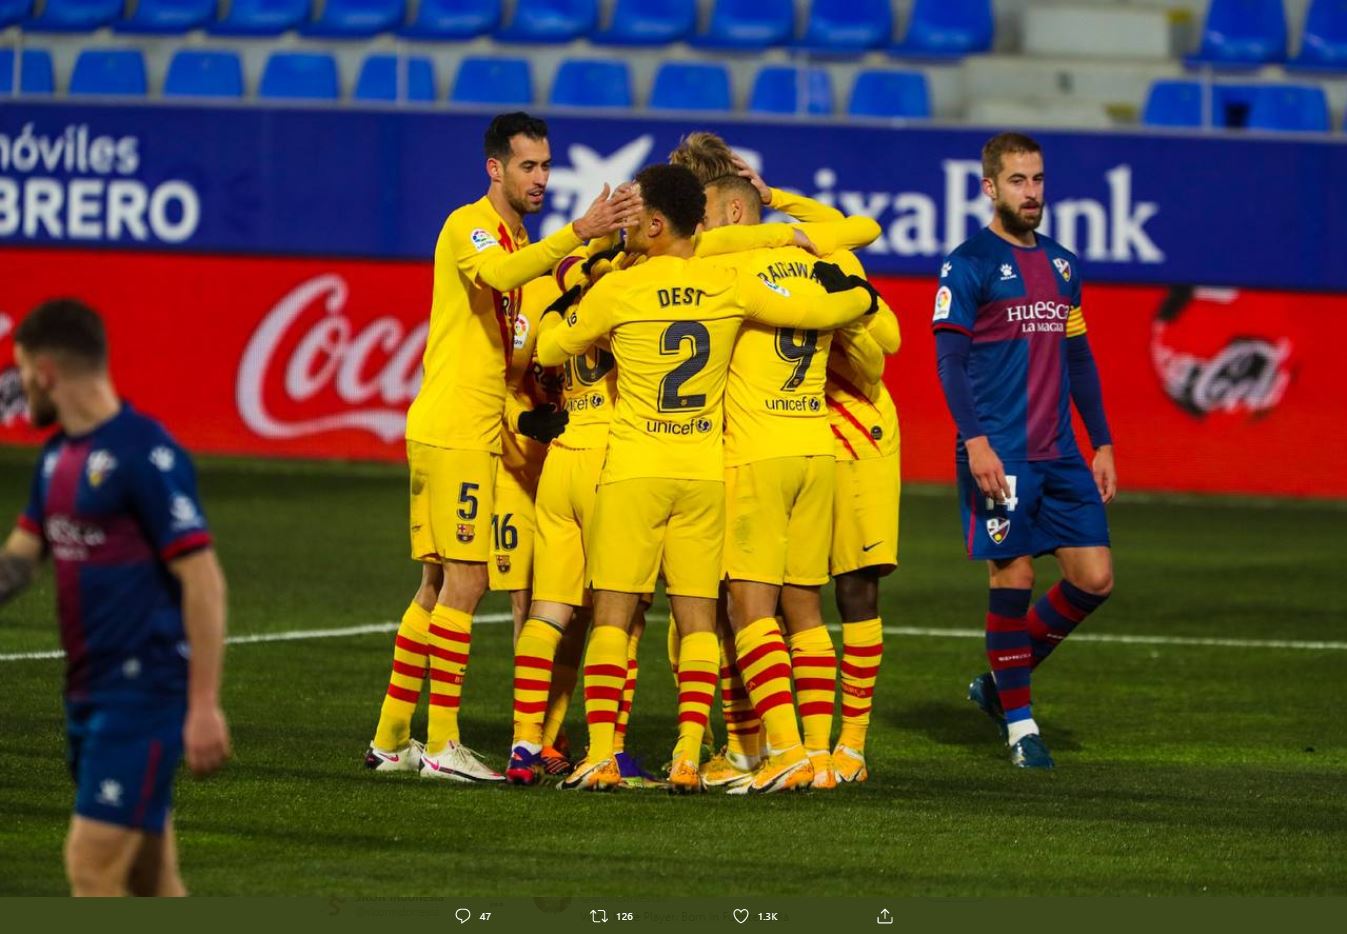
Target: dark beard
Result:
[1014, 223]
[41, 413]
[524, 208]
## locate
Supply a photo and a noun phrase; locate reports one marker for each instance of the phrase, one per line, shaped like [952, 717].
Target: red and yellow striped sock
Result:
[628, 693]
[534, 659]
[564, 677]
[450, 639]
[698, 659]
[764, 664]
[814, 664]
[862, 649]
[743, 729]
[605, 675]
[410, 649]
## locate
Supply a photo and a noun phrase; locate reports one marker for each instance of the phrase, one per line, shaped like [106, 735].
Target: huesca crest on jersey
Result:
[998, 529]
[1064, 268]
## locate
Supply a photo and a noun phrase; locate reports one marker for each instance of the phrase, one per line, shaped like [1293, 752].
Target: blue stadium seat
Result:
[748, 24]
[776, 90]
[75, 15]
[357, 19]
[12, 11]
[262, 17]
[1242, 34]
[386, 77]
[109, 71]
[204, 73]
[168, 16]
[848, 25]
[35, 73]
[889, 94]
[1290, 107]
[1323, 45]
[948, 28]
[650, 22]
[691, 86]
[551, 21]
[1173, 103]
[493, 81]
[453, 19]
[592, 83]
[300, 76]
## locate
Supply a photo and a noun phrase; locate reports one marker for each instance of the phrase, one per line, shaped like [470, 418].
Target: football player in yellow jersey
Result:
[670, 324]
[482, 260]
[864, 423]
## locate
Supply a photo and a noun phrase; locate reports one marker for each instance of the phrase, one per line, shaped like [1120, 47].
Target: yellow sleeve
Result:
[739, 238]
[862, 353]
[802, 208]
[849, 233]
[481, 258]
[1075, 323]
[883, 324]
[772, 304]
[585, 323]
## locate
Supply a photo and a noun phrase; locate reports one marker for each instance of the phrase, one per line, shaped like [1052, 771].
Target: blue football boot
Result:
[1030, 753]
[982, 691]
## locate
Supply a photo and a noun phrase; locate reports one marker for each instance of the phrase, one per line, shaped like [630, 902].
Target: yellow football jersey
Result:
[529, 384]
[480, 267]
[671, 324]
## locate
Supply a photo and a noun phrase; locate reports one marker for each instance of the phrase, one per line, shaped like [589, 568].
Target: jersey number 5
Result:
[670, 343]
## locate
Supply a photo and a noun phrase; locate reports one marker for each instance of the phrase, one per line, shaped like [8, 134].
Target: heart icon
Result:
[741, 915]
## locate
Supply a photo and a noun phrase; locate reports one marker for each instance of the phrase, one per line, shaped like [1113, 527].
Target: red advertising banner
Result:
[1206, 390]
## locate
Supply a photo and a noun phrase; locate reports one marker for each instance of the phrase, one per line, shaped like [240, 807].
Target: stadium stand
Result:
[385, 77]
[848, 25]
[948, 28]
[1323, 44]
[748, 24]
[168, 16]
[262, 17]
[649, 22]
[35, 72]
[1242, 34]
[1174, 103]
[1290, 108]
[493, 81]
[592, 83]
[13, 11]
[550, 21]
[356, 19]
[300, 76]
[204, 73]
[75, 15]
[691, 86]
[452, 19]
[118, 72]
[890, 94]
[776, 90]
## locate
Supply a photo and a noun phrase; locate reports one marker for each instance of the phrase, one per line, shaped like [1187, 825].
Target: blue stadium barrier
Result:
[385, 77]
[776, 90]
[890, 94]
[1241, 34]
[848, 25]
[948, 28]
[119, 72]
[262, 17]
[1292, 108]
[1323, 44]
[691, 86]
[551, 21]
[748, 24]
[592, 83]
[300, 76]
[168, 16]
[453, 19]
[35, 72]
[13, 11]
[75, 15]
[204, 73]
[649, 22]
[493, 81]
[357, 19]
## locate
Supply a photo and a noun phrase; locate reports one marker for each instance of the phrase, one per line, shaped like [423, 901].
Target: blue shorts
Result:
[122, 757]
[1054, 504]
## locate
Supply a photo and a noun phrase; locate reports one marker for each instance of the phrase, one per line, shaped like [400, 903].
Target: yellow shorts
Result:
[563, 511]
[778, 513]
[865, 515]
[649, 524]
[452, 498]
[513, 529]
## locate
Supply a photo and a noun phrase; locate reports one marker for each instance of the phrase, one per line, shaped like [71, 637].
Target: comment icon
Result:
[464, 915]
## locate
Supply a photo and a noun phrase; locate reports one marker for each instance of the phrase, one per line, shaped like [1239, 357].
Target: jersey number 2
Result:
[670, 343]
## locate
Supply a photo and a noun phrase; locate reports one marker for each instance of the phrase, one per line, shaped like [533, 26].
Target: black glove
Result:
[564, 301]
[588, 265]
[833, 279]
[543, 423]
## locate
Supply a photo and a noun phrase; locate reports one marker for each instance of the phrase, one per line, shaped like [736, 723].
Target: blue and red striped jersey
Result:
[1018, 305]
[113, 507]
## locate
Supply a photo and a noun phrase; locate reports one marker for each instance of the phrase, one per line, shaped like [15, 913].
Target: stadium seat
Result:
[551, 21]
[848, 25]
[650, 22]
[386, 77]
[1295, 108]
[75, 15]
[948, 28]
[1242, 34]
[1173, 103]
[493, 81]
[12, 11]
[1323, 44]
[168, 16]
[890, 94]
[691, 86]
[35, 72]
[592, 83]
[776, 90]
[452, 19]
[204, 73]
[356, 19]
[109, 71]
[262, 17]
[748, 24]
[300, 76]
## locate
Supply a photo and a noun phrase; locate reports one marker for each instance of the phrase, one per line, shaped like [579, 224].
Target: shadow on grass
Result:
[951, 724]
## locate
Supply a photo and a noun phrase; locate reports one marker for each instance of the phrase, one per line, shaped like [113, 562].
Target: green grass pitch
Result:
[1182, 769]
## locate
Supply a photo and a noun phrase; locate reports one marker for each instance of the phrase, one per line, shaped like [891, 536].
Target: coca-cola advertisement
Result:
[1207, 390]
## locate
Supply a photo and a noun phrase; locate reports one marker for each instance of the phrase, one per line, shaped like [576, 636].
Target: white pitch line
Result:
[300, 635]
